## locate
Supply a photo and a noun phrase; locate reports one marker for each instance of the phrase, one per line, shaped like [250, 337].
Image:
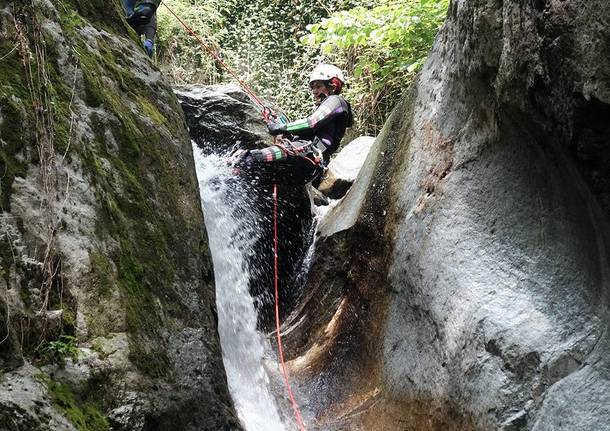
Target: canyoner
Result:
[140, 12]
[300, 151]
[142, 17]
[302, 148]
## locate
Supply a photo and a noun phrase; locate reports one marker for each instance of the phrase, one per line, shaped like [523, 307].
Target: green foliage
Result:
[382, 48]
[260, 39]
[179, 54]
[273, 45]
[263, 40]
[57, 351]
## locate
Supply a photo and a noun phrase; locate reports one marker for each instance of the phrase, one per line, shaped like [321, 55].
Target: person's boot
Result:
[149, 47]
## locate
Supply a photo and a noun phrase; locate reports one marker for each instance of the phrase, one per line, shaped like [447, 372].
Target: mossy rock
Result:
[83, 412]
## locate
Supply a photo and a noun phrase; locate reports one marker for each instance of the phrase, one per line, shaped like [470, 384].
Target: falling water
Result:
[231, 228]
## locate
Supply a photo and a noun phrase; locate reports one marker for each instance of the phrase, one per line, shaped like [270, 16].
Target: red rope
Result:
[277, 143]
[220, 61]
[266, 114]
[280, 348]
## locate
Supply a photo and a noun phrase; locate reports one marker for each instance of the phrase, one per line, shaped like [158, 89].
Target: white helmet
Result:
[326, 72]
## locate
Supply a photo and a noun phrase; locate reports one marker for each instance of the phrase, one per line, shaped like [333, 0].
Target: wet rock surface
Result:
[101, 237]
[220, 119]
[466, 270]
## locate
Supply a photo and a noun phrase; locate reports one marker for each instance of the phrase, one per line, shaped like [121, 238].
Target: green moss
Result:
[69, 19]
[59, 94]
[127, 132]
[14, 132]
[84, 415]
[68, 319]
[102, 272]
[15, 136]
[11, 67]
[143, 315]
[121, 170]
[100, 13]
[150, 111]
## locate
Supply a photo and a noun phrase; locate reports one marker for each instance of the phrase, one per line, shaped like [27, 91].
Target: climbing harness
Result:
[269, 115]
[309, 152]
[280, 348]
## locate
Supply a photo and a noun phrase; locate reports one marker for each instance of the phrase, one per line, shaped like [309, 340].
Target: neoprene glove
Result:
[276, 128]
[148, 46]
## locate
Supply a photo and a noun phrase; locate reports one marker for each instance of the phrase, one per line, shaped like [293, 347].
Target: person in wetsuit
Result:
[142, 17]
[307, 144]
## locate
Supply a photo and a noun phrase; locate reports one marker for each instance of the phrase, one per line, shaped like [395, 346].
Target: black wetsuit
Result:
[318, 134]
[143, 21]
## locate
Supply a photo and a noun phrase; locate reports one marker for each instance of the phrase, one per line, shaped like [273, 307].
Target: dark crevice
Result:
[589, 146]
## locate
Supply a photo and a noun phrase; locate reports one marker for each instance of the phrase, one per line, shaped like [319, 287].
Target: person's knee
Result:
[143, 12]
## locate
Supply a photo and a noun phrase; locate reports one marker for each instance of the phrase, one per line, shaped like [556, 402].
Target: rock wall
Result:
[108, 313]
[463, 281]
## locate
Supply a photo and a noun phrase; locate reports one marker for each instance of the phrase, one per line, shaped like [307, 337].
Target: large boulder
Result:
[222, 117]
[107, 298]
[463, 283]
[343, 169]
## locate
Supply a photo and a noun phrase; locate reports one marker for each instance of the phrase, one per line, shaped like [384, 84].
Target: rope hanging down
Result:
[267, 113]
[280, 348]
[220, 61]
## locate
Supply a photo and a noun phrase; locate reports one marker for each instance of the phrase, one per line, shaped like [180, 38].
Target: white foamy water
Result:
[231, 228]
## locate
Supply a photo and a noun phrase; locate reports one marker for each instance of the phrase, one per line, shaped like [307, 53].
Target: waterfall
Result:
[232, 228]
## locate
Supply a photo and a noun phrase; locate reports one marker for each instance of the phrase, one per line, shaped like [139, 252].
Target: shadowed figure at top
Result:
[142, 17]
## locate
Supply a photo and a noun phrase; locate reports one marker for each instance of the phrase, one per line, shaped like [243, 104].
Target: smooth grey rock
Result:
[222, 116]
[468, 265]
[344, 167]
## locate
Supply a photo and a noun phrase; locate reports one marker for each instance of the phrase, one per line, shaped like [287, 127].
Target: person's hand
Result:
[269, 114]
[276, 128]
[240, 157]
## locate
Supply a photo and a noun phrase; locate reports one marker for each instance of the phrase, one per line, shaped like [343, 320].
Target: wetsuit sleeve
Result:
[128, 5]
[269, 154]
[328, 109]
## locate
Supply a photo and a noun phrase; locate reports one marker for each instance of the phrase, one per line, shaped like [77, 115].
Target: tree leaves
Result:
[383, 46]
[273, 45]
